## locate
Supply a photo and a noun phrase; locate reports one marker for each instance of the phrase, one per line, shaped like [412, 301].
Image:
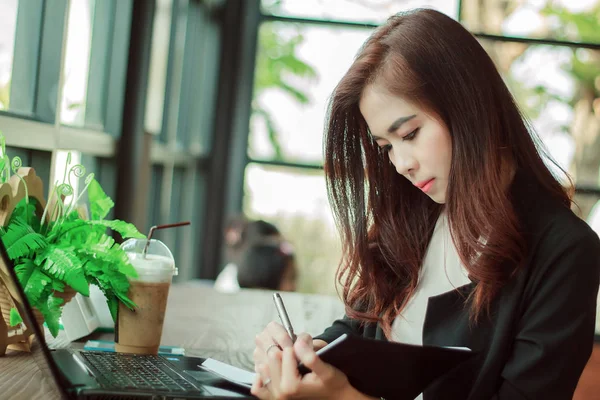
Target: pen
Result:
[283, 316]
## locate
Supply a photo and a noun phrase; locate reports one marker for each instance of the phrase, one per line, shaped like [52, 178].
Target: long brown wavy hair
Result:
[385, 222]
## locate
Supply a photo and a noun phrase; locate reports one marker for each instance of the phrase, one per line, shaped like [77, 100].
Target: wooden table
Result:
[206, 323]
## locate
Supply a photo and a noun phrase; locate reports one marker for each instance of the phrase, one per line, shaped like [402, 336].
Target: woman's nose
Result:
[404, 164]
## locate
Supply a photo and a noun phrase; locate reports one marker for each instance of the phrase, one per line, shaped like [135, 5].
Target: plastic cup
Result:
[140, 331]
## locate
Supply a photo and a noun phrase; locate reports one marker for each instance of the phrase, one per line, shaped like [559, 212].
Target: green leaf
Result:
[278, 67]
[108, 258]
[127, 269]
[24, 270]
[64, 265]
[21, 240]
[35, 287]
[26, 210]
[52, 310]
[113, 306]
[58, 231]
[58, 285]
[27, 245]
[100, 203]
[15, 318]
[125, 229]
[271, 130]
[112, 282]
[111, 300]
[584, 25]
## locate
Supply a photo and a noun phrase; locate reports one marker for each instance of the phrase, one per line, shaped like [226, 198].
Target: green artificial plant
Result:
[61, 247]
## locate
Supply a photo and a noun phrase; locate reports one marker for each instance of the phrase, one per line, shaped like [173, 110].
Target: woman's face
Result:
[418, 145]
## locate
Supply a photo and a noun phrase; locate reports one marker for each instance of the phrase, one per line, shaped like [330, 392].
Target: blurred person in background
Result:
[240, 234]
[454, 230]
[269, 264]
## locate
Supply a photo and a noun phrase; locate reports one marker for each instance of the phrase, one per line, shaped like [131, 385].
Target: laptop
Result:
[82, 374]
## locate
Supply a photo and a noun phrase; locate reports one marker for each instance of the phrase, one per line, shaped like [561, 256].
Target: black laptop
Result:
[82, 374]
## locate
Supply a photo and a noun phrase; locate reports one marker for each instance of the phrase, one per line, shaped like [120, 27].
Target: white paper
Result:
[458, 348]
[229, 372]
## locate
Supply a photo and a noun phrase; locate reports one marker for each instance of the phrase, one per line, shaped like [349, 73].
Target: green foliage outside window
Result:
[277, 67]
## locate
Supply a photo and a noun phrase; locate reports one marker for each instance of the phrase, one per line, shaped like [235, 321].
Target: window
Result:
[374, 11]
[296, 72]
[295, 75]
[158, 66]
[295, 200]
[8, 22]
[63, 67]
[77, 62]
[567, 20]
[63, 61]
[179, 111]
[554, 86]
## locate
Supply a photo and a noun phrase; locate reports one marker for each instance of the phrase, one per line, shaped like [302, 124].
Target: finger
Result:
[310, 359]
[273, 371]
[263, 339]
[306, 338]
[264, 343]
[290, 377]
[258, 389]
[318, 344]
[257, 384]
[263, 372]
[279, 334]
[259, 355]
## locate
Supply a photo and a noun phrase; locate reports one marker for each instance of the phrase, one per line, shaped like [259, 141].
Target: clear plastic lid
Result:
[152, 263]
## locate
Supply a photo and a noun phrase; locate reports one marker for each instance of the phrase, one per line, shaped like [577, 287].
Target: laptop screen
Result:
[8, 277]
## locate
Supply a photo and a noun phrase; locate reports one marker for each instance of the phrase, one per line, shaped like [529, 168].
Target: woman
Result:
[239, 235]
[268, 265]
[455, 233]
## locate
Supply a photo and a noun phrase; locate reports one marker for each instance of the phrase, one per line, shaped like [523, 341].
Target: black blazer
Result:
[541, 330]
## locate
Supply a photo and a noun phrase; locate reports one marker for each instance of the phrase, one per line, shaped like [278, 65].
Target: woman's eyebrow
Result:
[394, 126]
[398, 123]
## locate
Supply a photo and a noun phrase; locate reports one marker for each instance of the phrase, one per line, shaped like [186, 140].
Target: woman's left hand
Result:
[279, 377]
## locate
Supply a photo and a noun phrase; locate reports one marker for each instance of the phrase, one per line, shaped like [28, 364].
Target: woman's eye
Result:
[411, 135]
[387, 148]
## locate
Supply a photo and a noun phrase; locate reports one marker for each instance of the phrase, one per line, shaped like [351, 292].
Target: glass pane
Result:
[159, 57]
[8, 24]
[153, 214]
[296, 71]
[375, 11]
[571, 20]
[558, 88]
[77, 62]
[296, 202]
[61, 171]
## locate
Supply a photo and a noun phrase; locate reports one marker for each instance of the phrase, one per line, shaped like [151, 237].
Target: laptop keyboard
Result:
[146, 372]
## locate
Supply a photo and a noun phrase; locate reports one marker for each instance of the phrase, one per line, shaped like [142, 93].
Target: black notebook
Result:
[389, 369]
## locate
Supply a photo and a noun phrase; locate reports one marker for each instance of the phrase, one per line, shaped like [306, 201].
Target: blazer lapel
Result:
[447, 321]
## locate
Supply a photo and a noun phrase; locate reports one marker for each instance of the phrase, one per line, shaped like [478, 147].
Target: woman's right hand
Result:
[318, 344]
[275, 334]
[273, 337]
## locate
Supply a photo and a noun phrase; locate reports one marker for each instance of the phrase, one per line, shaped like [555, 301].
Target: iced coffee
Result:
[140, 330]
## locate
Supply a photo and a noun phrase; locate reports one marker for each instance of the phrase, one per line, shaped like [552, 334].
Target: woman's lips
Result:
[425, 186]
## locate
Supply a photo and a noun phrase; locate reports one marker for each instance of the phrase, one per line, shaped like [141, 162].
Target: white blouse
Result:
[442, 272]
